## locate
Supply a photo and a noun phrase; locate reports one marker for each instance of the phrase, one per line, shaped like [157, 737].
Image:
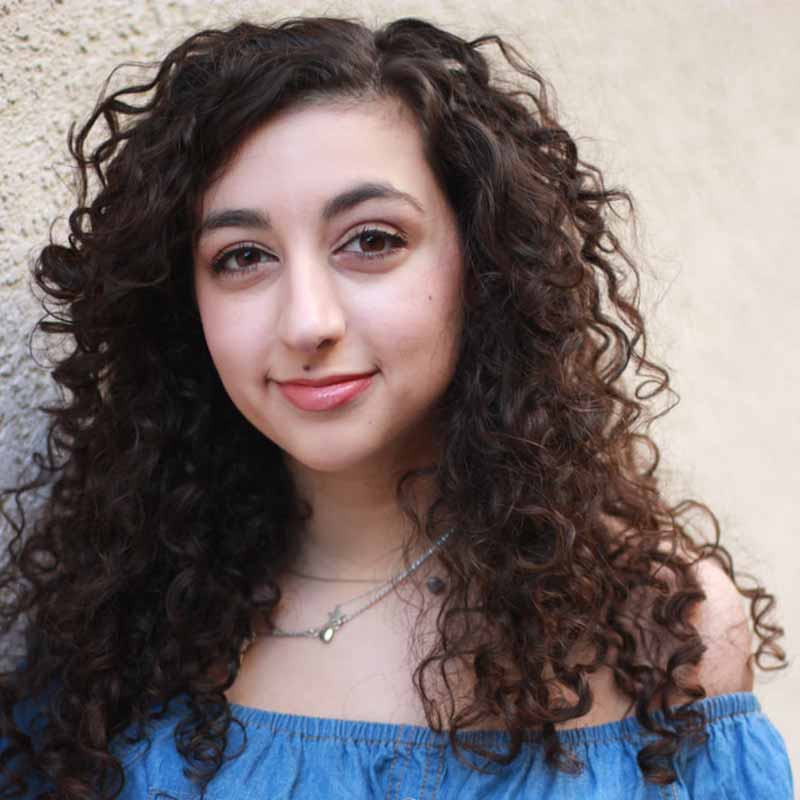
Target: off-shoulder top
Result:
[311, 758]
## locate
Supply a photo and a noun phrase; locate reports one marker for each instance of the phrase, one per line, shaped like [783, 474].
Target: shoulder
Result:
[724, 626]
[725, 666]
[722, 622]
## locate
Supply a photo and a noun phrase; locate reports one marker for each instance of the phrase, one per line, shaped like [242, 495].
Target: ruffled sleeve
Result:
[745, 757]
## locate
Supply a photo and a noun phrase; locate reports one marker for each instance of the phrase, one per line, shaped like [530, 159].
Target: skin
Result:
[306, 280]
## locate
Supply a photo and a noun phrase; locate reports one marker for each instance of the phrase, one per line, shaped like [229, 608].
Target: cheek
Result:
[213, 319]
[417, 328]
[228, 332]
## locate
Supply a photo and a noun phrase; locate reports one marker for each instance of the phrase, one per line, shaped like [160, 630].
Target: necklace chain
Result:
[336, 618]
[331, 580]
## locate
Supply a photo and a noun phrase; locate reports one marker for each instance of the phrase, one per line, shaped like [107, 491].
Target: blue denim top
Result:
[311, 758]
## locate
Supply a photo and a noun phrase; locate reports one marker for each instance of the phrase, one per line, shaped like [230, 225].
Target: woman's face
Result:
[327, 244]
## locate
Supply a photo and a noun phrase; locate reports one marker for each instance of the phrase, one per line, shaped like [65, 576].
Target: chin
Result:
[334, 456]
[334, 465]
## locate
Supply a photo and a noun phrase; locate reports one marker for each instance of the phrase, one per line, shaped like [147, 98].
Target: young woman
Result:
[349, 496]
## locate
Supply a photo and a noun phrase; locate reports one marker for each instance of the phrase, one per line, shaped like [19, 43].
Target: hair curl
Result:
[139, 576]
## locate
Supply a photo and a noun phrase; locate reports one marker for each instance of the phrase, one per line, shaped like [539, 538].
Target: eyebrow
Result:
[338, 204]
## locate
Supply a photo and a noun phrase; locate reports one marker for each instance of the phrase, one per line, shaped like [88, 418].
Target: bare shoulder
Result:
[724, 626]
[722, 621]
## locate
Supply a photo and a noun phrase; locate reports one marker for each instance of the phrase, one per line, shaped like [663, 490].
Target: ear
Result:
[724, 626]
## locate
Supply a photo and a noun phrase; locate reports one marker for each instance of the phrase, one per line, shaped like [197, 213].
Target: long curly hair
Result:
[166, 515]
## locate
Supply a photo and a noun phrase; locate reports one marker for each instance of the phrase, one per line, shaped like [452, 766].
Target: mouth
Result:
[329, 380]
[324, 396]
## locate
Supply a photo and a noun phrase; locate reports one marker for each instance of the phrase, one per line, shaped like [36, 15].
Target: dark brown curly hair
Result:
[137, 579]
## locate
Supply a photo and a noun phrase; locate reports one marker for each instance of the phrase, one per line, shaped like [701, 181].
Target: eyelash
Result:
[396, 240]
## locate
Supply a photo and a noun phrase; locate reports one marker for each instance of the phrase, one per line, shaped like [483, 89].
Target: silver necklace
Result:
[331, 580]
[337, 618]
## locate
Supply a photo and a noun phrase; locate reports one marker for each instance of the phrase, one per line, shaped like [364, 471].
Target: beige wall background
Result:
[692, 105]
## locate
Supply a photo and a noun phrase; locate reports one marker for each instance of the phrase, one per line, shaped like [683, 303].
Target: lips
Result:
[331, 379]
[309, 397]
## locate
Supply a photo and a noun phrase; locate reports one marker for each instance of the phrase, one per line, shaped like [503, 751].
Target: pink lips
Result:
[323, 398]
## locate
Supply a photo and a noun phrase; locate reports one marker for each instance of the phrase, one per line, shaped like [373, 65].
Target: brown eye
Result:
[240, 260]
[247, 256]
[373, 243]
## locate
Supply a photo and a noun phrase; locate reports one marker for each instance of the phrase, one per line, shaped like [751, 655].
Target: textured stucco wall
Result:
[691, 105]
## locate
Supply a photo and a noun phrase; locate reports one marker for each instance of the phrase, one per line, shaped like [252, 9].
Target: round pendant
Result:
[435, 585]
[326, 634]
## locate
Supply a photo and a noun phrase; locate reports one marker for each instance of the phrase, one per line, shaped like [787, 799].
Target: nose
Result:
[312, 310]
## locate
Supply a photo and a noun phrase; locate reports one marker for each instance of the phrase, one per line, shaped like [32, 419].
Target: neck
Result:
[356, 530]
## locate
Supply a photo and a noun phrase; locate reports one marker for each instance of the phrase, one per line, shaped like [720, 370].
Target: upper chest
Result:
[363, 673]
[366, 672]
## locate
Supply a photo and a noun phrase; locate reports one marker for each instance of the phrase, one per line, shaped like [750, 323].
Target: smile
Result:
[324, 398]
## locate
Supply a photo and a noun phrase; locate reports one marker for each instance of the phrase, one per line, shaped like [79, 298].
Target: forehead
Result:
[306, 154]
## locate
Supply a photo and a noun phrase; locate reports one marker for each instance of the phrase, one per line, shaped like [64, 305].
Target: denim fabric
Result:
[311, 758]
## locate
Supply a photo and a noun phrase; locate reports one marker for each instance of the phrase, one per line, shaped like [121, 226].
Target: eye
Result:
[375, 241]
[239, 260]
